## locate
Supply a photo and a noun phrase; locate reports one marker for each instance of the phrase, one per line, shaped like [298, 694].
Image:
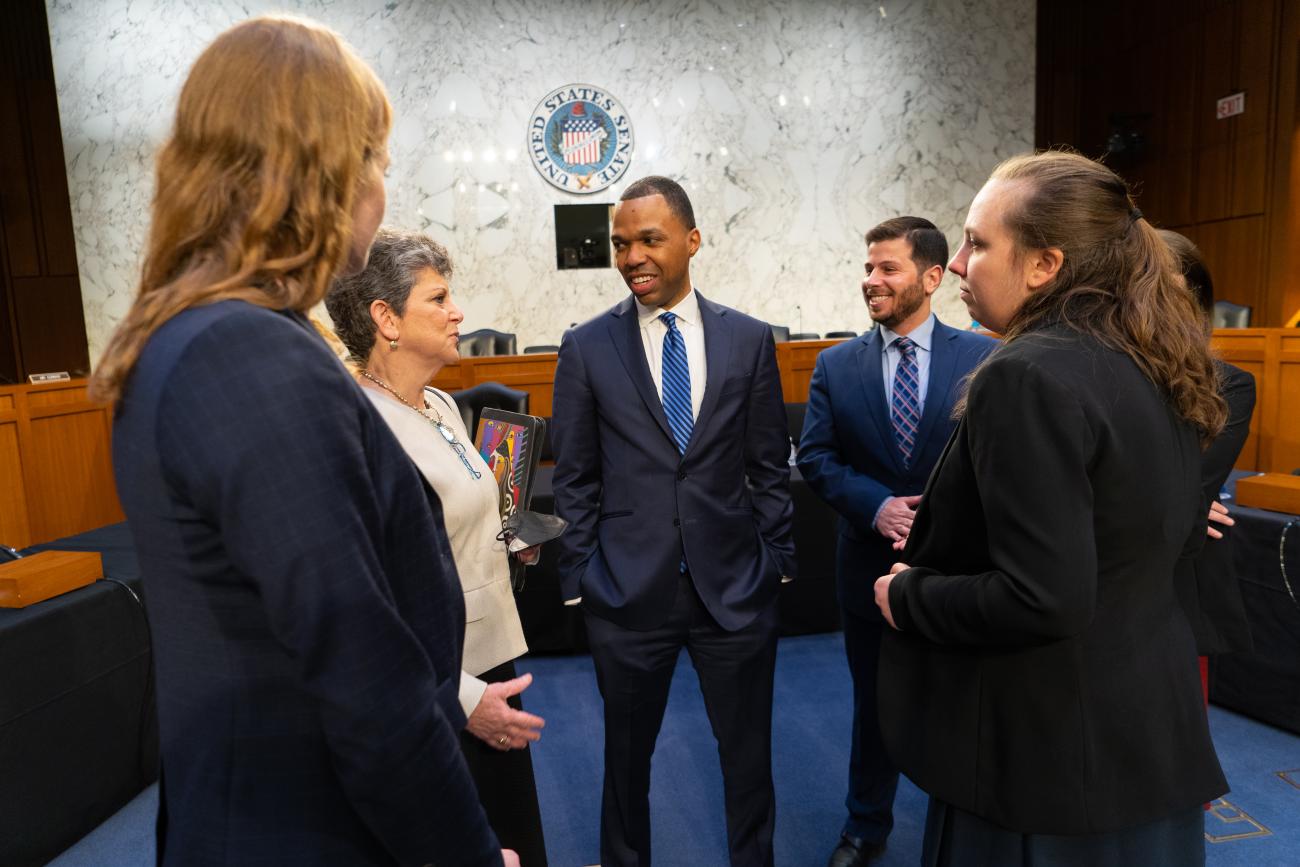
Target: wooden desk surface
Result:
[55, 457]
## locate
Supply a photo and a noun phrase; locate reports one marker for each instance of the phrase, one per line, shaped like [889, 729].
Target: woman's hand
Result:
[529, 556]
[500, 726]
[1218, 515]
[882, 592]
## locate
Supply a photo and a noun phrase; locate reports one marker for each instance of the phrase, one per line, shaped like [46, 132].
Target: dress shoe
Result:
[854, 852]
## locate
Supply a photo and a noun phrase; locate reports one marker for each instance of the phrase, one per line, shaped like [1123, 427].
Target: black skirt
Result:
[956, 838]
[506, 787]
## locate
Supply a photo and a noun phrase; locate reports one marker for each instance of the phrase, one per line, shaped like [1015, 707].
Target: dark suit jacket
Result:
[847, 452]
[306, 615]
[1207, 582]
[1044, 677]
[634, 504]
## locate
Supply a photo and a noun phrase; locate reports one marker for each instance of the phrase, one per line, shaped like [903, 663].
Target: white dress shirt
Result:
[653, 332]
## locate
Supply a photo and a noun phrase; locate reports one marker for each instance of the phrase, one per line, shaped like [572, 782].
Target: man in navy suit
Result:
[671, 469]
[879, 414]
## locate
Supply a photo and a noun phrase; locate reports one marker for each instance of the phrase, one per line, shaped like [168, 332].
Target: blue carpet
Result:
[1258, 824]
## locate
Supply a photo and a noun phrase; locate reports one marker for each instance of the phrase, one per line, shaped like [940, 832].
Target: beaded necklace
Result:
[433, 417]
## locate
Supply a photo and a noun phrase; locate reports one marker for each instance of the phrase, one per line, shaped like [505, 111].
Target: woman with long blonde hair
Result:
[306, 617]
[1040, 681]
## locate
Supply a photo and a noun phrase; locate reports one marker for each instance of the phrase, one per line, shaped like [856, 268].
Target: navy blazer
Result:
[847, 452]
[635, 506]
[305, 611]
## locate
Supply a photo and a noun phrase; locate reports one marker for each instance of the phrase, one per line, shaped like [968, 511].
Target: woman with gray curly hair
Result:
[399, 323]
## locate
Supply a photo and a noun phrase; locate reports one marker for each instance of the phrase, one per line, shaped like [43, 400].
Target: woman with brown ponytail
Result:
[1040, 681]
[306, 617]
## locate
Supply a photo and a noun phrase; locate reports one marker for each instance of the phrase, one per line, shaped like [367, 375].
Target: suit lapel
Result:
[873, 384]
[717, 358]
[943, 362]
[626, 334]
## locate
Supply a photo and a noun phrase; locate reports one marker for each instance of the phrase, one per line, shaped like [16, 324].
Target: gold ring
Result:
[502, 740]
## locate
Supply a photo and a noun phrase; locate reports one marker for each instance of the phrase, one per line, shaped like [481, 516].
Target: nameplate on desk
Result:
[42, 576]
[38, 378]
[1277, 492]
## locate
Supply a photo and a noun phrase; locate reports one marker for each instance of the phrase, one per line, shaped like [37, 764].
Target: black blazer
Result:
[1044, 677]
[305, 611]
[847, 453]
[1207, 582]
[636, 506]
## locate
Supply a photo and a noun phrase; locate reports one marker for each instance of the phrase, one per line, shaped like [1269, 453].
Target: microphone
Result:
[799, 310]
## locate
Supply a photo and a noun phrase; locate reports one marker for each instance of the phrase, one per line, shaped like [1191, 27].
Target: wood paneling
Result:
[17, 216]
[15, 530]
[1283, 284]
[71, 474]
[51, 193]
[1272, 355]
[1159, 67]
[55, 463]
[533, 373]
[1249, 193]
[1234, 253]
[42, 328]
[796, 360]
[55, 456]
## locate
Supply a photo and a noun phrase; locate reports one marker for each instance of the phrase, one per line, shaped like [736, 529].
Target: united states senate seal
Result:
[580, 138]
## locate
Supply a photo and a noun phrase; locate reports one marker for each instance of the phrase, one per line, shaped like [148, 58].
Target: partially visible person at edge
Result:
[1207, 582]
[1040, 679]
[401, 326]
[306, 616]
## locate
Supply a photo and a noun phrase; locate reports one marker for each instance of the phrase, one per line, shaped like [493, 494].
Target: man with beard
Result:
[879, 414]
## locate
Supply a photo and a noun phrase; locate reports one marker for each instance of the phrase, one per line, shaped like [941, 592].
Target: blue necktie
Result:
[905, 404]
[677, 384]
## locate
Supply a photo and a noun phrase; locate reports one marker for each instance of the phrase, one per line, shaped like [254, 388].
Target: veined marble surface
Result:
[794, 126]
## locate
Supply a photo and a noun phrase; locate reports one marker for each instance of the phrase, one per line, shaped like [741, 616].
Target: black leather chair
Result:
[835, 335]
[486, 341]
[548, 449]
[805, 335]
[780, 333]
[543, 347]
[472, 401]
[1229, 315]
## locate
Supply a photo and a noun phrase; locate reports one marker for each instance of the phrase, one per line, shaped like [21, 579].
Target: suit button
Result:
[681, 475]
[676, 522]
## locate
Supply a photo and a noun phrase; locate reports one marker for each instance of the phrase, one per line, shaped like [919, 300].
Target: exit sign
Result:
[1230, 106]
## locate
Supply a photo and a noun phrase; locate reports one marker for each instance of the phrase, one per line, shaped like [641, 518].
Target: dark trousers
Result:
[506, 787]
[873, 779]
[634, 670]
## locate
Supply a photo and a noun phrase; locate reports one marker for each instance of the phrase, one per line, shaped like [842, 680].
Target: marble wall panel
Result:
[795, 127]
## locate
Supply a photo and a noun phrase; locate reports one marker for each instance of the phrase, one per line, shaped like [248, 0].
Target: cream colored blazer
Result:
[471, 513]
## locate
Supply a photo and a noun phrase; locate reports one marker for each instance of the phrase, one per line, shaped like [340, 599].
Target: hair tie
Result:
[1134, 215]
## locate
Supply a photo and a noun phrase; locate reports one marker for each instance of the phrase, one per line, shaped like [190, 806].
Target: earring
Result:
[392, 344]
